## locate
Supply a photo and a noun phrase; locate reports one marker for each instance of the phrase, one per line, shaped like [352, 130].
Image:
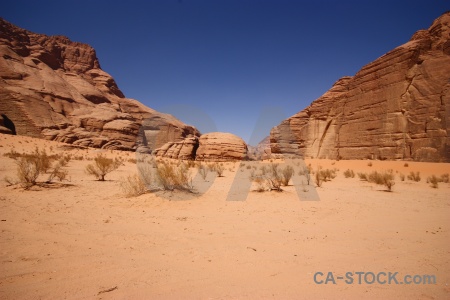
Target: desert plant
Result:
[385, 178]
[102, 166]
[170, 178]
[369, 164]
[219, 168]
[306, 171]
[203, 171]
[362, 176]
[260, 182]
[57, 172]
[286, 175]
[414, 176]
[274, 177]
[318, 179]
[133, 186]
[406, 165]
[349, 173]
[445, 178]
[402, 176]
[271, 181]
[433, 180]
[27, 171]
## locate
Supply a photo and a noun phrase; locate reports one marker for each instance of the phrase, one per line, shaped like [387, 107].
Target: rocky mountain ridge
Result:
[396, 107]
[54, 88]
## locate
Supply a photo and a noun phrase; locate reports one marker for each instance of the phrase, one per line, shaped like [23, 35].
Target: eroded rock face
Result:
[53, 88]
[185, 149]
[397, 107]
[220, 146]
[260, 151]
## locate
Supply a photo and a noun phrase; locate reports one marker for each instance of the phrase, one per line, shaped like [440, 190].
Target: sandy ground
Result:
[85, 240]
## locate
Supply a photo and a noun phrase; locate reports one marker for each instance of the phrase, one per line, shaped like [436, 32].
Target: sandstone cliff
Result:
[397, 107]
[53, 88]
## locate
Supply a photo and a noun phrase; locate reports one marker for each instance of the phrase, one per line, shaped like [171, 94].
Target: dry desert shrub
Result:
[433, 180]
[133, 186]
[402, 176]
[286, 175]
[27, 171]
[406, 165]
[102, 166]
[382, 178]
[270, 181]
[324, 175]
[30, 166]
[349, 173]
[414, 176]
[218, 168]
[203, 171]
[370, 164]
[170, 178]
[306, 171]
[362, 176]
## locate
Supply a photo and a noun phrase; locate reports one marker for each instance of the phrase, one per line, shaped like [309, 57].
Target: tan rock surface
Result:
[54, 88]
[218, 146]
[396, 107]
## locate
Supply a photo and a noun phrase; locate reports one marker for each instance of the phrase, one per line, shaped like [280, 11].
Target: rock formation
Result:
[397, 107]
[53, 88]
[221, 146]
[214, 146]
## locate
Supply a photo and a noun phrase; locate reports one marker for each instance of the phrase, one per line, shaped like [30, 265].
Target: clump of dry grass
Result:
[133, 186]
[286, 175]
[306, 171]
[433, 180]
[30, 166]
[414, 176]
[203, 171]
[382, 178]
[270, 181]
[324, 175]
[171, 178]
[349, 173]
[362, 176]
[218, 168]
[102, 166]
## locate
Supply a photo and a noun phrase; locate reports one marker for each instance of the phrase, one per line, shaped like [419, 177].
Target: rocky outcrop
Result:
[397, 107]
[214, 146]
[54, 88]
[185, 149]
[220, 146]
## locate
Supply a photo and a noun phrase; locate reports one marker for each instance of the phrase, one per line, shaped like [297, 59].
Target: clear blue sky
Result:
[229, 65]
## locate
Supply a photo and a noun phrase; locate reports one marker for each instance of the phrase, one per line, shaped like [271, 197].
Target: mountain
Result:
[397, 107]
[53, 88]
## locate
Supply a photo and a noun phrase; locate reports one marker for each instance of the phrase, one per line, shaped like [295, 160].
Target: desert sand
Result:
[83, 239]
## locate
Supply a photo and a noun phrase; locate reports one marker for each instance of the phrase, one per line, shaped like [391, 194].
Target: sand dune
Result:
[84, 239]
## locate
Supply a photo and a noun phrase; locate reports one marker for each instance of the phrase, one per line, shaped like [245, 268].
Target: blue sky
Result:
[234, 66]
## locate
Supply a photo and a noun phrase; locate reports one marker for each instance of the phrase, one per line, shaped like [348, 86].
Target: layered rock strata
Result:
[397, 107]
